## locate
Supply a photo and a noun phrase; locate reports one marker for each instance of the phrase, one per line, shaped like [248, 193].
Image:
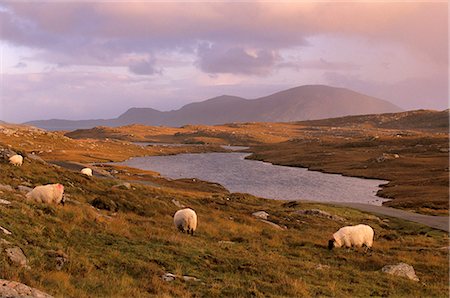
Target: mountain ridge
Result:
[307, 102]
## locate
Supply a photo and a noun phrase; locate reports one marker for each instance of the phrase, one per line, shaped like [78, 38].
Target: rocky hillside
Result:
[114, 237]
[300, 103]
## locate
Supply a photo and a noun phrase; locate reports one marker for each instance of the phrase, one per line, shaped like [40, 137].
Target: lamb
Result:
[16, 160]
[87, 172]
[186, 220]
[50, 193]
[349, 236]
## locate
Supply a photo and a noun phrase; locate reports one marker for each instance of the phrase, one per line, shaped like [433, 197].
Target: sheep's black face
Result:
[330, 244]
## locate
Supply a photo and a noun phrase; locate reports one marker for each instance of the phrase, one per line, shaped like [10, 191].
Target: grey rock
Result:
[14, 289]
[5, 187]
[261, 214]
[59, 258]
[322, 267]
[36, 158]
[172, 277]
[168, 277]
[4, 242]
[17, 257]
[318, 212]
[278, 227]
[124, 185]
[4, 202]
[24, 189]
[226, 242]
[401, 269]
[177, 203]
[190, 278]
[5, 231]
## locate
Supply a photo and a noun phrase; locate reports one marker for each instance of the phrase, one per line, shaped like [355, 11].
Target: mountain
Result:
[301, 103]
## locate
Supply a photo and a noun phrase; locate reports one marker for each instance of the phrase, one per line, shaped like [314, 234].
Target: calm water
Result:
[261, 178]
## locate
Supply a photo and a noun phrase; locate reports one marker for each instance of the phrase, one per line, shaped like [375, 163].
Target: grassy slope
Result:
[124, 253]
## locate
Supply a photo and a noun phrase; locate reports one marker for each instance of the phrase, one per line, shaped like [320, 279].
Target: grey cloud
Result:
[320, 64]
[237, 60]
[93, 29]
[144, 67]
[20, 65]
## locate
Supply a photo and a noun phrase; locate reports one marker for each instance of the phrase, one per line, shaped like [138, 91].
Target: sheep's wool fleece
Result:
[86, 171]
[354, 236]
[185, 219]
[16, 160]
[50, 193]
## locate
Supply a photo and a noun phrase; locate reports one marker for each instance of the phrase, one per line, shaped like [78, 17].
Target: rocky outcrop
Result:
[401, 269]
[14, 289]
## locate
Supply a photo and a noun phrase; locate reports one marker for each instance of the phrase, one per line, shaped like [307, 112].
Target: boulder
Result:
[401, 269]
[59, 258]
[278, 227]
[172, 277]
[318, 212]
[124, 185]
[5, 231]
[14, 289]
[4, 202]
[261, 214]
[322, 267]
[24, 189]
[17, 257]
[168, 277]
[5, 187]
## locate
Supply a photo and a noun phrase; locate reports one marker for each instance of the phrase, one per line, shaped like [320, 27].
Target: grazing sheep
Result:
[185, 220]
[16, 160]
[87, 172]
[349, 236]
[50, 193]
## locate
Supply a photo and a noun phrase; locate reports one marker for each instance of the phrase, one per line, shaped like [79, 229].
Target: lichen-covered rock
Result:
[13, 289]
[401, 269]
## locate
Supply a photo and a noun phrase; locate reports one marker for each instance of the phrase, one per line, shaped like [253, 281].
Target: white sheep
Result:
[16, 160]
[349, 236]
[185, 220]
[87, 172]
[50, 193]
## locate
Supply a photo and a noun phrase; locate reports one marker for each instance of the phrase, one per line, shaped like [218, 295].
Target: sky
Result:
[91, 60]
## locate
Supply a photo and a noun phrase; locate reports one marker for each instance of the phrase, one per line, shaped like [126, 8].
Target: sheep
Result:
[16, 160]
[50, 193]
[87, 172]
[185, 220]
[349, 236]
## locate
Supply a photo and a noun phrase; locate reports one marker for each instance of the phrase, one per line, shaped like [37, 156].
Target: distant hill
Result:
[301, 103]
[424, 120]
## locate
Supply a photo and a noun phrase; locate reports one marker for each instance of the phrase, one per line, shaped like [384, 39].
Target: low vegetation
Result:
[124, 251]
[409, 149]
